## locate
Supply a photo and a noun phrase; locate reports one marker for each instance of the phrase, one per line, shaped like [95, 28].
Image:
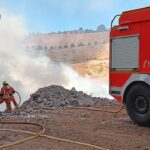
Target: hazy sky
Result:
[55, 15]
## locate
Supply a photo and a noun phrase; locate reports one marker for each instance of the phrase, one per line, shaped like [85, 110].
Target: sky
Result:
[63, 15]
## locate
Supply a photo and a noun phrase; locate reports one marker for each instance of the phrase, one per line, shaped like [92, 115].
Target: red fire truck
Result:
[130, 63]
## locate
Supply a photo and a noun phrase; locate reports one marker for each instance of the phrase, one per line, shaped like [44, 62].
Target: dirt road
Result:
[114, 132]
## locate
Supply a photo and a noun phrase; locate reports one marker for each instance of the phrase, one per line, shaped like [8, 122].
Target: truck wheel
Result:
[138, 104]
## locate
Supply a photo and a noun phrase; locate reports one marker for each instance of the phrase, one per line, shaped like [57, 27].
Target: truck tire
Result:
[138, 104]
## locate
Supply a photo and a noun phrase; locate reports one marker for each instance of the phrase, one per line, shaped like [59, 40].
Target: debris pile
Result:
[57, 96]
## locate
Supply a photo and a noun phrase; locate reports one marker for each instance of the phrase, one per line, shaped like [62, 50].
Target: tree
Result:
[60, 47]
[45, 47]
[39, 47]
[101, 28]
[95, 42]
[66, 46]
[51, 47]
[72, 45]
[89, 44]
[81, 29]
[80, 44]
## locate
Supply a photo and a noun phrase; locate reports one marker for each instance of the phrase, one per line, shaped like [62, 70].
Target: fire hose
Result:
[19, 98]
[99, 110]
[87, 108]
[25, 139]
[41, 133]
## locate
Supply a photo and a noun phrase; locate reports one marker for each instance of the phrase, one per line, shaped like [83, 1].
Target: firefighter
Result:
[7, 96]
[2, 100]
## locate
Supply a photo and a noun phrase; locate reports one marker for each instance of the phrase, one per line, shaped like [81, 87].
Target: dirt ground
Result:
[114, 132]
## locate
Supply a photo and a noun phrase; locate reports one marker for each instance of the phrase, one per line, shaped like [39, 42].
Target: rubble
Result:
[55, 96]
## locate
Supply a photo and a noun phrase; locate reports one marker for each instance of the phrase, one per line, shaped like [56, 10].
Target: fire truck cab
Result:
[129, 71]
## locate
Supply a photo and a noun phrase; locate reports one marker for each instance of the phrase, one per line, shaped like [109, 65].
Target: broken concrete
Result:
[57, 96]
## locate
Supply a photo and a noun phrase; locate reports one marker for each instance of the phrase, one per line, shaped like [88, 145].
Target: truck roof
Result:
[133, 16]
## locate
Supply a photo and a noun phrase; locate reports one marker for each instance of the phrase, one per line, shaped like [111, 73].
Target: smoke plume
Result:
[27, 73]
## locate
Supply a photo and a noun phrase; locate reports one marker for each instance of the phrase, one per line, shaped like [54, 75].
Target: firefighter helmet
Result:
[5, 83]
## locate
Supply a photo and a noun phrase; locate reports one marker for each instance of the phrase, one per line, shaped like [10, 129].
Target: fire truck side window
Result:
[125, 53]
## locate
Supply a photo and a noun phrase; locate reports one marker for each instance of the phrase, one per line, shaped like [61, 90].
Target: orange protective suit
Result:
[7, 96]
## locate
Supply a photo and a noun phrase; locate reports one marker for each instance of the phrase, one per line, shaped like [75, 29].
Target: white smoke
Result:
[27, 73]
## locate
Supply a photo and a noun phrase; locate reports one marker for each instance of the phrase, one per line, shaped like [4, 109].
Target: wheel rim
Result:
[141, 104]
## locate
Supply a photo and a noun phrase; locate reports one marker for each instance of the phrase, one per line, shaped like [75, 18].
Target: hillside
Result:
[87, 53]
